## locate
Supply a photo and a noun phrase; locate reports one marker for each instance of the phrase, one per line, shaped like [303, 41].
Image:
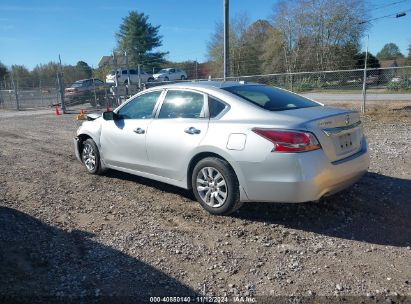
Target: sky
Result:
[37, 31]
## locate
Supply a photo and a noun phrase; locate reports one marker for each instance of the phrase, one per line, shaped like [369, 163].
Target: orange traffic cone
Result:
[57, 110]
[82, 115]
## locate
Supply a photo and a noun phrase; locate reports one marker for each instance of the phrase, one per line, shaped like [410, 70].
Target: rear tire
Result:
[91, 157]
[215, 186]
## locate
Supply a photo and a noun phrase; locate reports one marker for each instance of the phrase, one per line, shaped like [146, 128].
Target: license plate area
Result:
[346, 143]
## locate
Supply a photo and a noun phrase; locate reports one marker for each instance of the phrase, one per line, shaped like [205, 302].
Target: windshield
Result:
[271, 99]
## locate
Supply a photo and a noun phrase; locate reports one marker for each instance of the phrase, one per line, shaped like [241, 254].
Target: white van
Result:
[122, 76]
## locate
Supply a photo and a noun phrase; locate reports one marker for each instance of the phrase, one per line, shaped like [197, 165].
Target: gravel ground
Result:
[65, 233]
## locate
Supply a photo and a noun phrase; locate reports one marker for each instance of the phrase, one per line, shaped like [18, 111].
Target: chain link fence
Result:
[23, 93]
[325, 86]
[394, 79]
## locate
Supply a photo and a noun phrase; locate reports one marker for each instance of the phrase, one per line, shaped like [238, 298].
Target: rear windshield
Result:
[271, 99]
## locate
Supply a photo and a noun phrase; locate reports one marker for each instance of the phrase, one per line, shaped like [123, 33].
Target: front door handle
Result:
[192, 130]
[139, 131]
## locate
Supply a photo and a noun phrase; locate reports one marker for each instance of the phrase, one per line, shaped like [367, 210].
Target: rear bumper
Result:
[301, 177]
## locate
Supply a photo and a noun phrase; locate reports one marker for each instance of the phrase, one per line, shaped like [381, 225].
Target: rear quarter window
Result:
[215, 107]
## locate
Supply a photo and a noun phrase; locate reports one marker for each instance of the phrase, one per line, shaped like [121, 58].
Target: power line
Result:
[395, 15]
[387, 5]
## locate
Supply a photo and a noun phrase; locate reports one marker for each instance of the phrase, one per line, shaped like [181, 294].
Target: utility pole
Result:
[60, 81]
[128, 73]
[115, 79]
[196, 69]
[226, 39]
[364, 83]
[139, 76]
[94, 87]
[16, 94]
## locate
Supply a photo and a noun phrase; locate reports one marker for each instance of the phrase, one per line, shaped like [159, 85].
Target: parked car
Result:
[83, 91]
[372, 80]
[229, 142]
[170, 74]
[122, 77]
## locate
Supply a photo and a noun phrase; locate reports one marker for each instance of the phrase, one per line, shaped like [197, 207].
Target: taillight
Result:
[289, 141]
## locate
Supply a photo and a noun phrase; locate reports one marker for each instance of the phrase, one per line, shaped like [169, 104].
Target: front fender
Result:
[91, 129]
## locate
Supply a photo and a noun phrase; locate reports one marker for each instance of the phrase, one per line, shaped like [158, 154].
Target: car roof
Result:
[209, 84]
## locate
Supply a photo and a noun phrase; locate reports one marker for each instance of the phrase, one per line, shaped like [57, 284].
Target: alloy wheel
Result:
[212, 187]
[89, 157]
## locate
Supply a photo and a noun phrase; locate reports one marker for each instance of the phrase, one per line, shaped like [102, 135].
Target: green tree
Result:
[389, 51]
[257, 34]
[140, 38]
[272, 50]
[3, 71]
[84, 69]
[46, 74]
[372, 61]
[22, 76]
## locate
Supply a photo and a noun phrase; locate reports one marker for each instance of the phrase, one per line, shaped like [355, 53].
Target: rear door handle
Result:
[139, 131]
[192, 130]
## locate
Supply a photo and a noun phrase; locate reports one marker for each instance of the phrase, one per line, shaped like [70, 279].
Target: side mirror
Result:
[110, 115]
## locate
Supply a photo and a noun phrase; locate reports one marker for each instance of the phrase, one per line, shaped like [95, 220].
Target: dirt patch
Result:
[65, 232]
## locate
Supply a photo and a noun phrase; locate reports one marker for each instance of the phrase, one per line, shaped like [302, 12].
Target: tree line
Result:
[301, 35]
[43, 75]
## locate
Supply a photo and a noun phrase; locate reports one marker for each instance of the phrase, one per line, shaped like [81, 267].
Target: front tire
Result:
[91, 157]
[215, 186]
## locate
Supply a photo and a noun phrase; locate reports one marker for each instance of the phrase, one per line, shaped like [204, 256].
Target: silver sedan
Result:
[230, 142]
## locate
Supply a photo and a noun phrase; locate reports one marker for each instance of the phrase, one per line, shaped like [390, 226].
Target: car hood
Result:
[159, 75]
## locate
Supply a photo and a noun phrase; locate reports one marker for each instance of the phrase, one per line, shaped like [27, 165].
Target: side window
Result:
[133, 72]
[182, 104]
[140, 107]
[215, 107]
[124, 72]
[98, 82]
[172, 71]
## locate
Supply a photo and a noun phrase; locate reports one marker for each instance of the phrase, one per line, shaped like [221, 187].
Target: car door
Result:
[179, 128]
[123, 141]
[172, 74]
